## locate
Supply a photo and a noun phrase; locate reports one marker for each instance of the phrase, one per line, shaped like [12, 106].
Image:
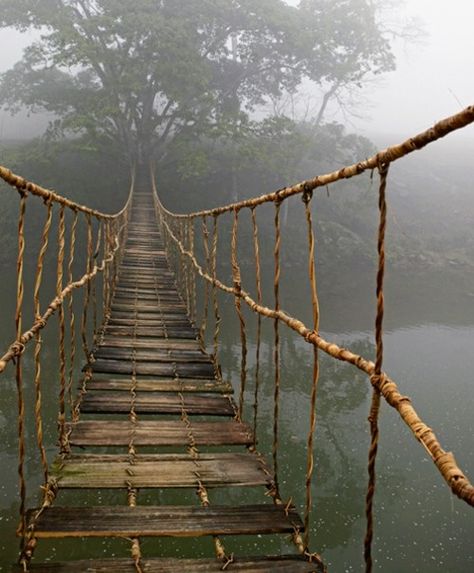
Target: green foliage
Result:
[139, 76]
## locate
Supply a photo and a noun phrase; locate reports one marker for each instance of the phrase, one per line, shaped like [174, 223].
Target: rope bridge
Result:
[150, 309]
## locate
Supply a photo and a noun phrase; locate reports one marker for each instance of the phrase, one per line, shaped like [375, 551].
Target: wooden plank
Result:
[153, 308]
[178, 322]
[166, 521]
[127, 296]
[165, 305]
[162, 385]
[156, 403]
[159, 313]
[150, 343]
[280, 564]
[157, 433]
[183, 370]
[159, 471]
[151, 354]
[170, 305]
[152, 332]
[157, 304]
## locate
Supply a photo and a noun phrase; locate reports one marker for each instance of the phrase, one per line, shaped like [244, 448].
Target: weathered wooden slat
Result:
[166, 521]
[150, 343]
[152, 332]
[158, 311]
[168, 303]
[182, 369]
[141, 323]
[140, 354]
[156, 403]
[158, 433]
[127, 296]
[152, 308]
[162, 385]
[135, 279]
[281, 564]
[159, 471]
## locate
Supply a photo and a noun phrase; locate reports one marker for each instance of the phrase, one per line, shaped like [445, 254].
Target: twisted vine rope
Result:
[179, 234]
[375, 403]
[382, 384]
[57, 306]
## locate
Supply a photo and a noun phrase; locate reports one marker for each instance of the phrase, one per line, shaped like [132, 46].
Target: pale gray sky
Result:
[434, 78]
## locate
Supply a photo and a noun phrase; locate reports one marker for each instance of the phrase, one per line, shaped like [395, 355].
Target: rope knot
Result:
[376, 380]
[309, 335]
[278, 199]
[22, 189]
[307, 194]
[382, 165]
[18, 348]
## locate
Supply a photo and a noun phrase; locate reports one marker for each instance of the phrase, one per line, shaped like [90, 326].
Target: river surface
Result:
[429, 342]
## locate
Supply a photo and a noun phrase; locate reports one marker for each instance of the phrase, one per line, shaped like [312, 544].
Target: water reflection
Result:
[420, 527]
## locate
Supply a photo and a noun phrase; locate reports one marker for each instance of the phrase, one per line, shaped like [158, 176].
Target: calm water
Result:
[420, 527]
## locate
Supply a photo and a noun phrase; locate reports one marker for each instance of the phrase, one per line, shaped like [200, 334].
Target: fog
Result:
[433, 77]
[248, 140]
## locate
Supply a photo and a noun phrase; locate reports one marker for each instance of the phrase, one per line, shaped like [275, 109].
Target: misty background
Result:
[430, 194]
[430, 282]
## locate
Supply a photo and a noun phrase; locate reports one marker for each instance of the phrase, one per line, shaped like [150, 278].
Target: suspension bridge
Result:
[151, 410]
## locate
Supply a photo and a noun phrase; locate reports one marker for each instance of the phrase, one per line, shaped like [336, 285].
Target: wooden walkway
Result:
[151, 417]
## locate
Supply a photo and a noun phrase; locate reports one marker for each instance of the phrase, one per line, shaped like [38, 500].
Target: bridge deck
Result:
[149, 365]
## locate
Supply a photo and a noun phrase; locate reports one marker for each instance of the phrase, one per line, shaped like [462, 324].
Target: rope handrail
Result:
[178, 227]
[386, 156]
[104, 235]
[17, 347]
[104, 239]
[22, 185]
[444, 461]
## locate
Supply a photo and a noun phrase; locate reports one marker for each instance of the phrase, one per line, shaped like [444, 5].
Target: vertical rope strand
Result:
[315, 378]
[205, 316]
[87, 294]
[375, 404]
[192, 273]
[258, 279]
[19, 372]
[237, 279]
[38, 339]
[98, 245]
[276, 351]
[62, 331]
[72, 318]
[217, 317]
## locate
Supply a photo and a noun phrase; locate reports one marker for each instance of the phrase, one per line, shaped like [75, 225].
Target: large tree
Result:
[142, 75]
